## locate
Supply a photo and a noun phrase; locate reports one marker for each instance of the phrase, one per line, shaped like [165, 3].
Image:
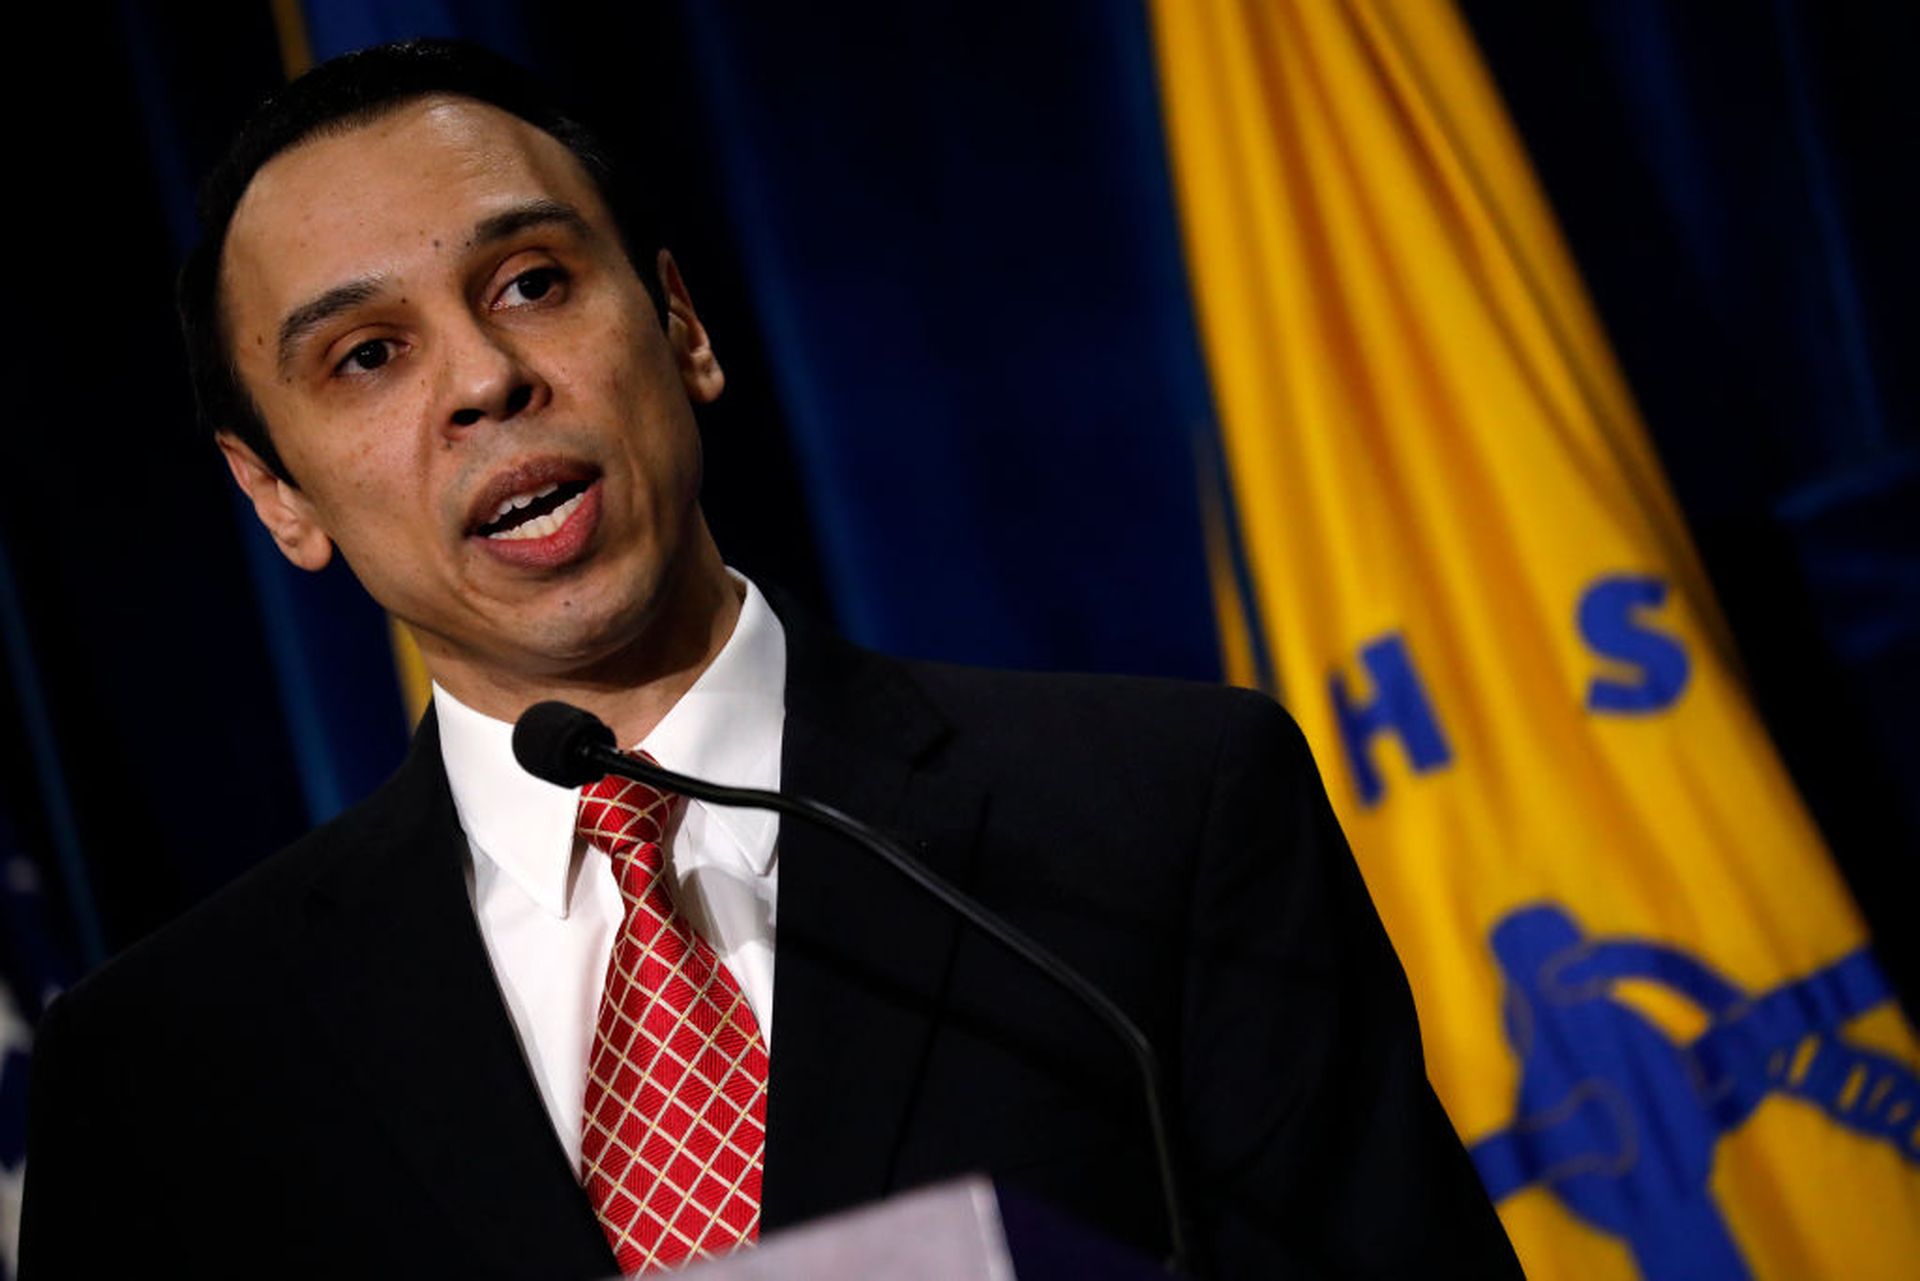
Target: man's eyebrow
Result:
[533, 213]
[310, 315]
[315, 312]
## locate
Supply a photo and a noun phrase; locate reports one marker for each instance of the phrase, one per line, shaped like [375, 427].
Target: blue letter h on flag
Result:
[1399, 705]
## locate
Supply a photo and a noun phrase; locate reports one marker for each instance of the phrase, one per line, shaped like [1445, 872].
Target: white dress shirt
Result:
[548, 906]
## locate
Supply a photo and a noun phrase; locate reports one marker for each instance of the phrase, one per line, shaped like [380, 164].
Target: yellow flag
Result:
[1644, 992]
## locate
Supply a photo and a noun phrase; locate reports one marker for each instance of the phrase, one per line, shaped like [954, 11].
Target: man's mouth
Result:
[537, 514]
[540, 515]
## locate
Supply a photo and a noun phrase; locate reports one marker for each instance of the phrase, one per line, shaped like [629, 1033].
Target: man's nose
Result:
[488, 380]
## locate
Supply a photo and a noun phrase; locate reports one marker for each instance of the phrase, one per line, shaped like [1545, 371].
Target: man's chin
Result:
[586, 637]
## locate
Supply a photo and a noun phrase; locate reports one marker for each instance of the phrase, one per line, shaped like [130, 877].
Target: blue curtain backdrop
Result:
[963, 255]
[966, 417]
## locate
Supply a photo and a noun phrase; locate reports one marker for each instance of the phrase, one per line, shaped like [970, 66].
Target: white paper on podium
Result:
[947, 1232]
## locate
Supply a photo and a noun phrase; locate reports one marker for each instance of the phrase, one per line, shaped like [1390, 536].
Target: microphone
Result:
[555, 741]
[571, 747]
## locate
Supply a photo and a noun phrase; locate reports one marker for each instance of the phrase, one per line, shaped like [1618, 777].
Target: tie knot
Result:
[625, 818]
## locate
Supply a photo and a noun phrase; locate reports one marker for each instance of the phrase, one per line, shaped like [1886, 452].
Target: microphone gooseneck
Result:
[570, 747]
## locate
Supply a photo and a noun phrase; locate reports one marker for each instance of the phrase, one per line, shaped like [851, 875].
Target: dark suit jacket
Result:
[314, 1074]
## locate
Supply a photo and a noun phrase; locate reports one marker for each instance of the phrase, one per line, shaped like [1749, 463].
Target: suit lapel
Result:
[398, 978]
[862, 956]
[393, 968]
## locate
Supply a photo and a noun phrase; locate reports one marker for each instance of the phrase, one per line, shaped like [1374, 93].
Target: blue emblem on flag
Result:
[1620, 1123]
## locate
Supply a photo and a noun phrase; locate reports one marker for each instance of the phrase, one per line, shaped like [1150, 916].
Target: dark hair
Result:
[338, 95]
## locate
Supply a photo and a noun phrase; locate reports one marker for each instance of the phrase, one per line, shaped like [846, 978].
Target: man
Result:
[431, 333]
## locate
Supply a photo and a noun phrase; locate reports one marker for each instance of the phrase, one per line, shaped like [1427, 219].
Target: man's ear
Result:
[281, 507]
[699, 367]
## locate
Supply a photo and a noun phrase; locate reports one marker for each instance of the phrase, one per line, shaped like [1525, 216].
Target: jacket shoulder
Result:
[245, 922]
[1171, 721]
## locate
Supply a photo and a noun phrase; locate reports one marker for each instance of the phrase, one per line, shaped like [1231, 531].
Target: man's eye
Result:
[531, 286]
[367, 357]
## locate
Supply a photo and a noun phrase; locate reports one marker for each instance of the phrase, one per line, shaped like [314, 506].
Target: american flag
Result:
[31, 975]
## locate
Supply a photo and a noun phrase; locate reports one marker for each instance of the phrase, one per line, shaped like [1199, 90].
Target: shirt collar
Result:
[726, 727]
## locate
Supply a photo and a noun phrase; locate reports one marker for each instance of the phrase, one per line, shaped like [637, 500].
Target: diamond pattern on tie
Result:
[674, 1129]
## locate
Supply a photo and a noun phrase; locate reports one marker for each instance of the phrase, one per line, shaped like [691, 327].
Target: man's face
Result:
[436, 319]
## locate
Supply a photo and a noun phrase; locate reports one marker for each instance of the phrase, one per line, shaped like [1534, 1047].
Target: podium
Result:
[965, 1230]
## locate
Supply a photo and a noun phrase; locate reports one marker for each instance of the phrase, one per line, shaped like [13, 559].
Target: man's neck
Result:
[630, 690]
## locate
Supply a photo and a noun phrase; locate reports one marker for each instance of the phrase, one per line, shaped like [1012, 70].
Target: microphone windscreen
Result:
[552, 740]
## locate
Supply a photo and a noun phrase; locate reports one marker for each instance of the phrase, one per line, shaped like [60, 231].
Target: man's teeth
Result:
[540, 526]
[521, 500]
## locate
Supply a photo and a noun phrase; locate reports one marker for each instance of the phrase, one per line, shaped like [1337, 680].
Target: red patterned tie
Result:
[675, 1121]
